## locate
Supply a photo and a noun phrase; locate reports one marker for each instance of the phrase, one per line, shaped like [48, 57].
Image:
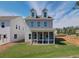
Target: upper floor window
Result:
[32, 14]
[16, 26]
[2, 25]
[32, 23]
[45, 24]
[45, 14]
[19, 27]
[38, 23]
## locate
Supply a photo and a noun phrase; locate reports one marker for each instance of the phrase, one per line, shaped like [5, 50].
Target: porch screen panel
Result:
[34, 35]
[50, 35]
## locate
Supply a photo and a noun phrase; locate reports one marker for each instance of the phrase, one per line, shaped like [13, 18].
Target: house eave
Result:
[42, 29]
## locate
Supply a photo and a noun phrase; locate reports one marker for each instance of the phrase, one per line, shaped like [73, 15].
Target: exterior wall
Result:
[20, 32]
[29, 29]
[27, 32]
[5, 31]
[49, 23]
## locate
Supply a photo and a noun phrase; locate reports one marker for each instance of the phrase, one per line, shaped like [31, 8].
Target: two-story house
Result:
[39, 29]
[11, 29]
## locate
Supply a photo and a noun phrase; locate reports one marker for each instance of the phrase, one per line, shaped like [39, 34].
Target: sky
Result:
[62, 12]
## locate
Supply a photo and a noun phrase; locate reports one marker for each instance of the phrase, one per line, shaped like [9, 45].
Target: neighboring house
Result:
[39, 29]
[11, 29]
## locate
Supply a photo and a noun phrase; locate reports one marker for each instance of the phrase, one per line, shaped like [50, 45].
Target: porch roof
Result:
[42, 29]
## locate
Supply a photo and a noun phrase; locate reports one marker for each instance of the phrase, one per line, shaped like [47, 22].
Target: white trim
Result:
[42, 37]
[54, 37]
[48, 37]
[37, 36]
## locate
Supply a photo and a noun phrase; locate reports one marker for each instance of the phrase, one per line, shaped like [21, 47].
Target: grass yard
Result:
[32, 51]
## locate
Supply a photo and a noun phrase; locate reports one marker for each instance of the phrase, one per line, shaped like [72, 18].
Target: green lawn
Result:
[33, 51]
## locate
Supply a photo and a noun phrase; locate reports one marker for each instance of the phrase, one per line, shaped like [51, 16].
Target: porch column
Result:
[37, 36]
[31, 38]
[53, 37]
[48, 37]
[42, 37]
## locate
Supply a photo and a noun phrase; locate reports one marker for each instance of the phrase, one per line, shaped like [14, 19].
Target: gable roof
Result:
[8, 17]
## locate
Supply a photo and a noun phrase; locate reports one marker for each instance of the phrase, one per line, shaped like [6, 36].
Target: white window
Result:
[16, 26]
[19, 27]
[2, 25]
[34, 35]
[38, 24]
[4, 36]
[45, 24]
[29, 36]
[45, 14]
[32, 14]
[15, 36]
[32, 24]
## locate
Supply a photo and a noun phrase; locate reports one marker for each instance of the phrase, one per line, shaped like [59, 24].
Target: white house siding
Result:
[27, 32]
[5, 31]
[20, 32]
[42, 28]
[49, 23]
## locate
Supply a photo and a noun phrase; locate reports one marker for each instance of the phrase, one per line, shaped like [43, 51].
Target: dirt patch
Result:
[5, 46]
[71, 39]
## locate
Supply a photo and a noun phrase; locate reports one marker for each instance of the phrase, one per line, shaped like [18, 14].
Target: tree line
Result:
[67, 30]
